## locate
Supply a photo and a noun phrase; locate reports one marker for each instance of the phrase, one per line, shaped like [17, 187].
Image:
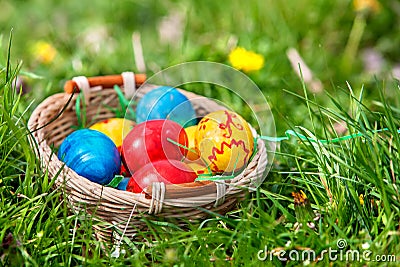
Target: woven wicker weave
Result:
[112, 206]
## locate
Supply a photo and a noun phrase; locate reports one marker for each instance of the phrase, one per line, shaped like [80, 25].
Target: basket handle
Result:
[107, 81]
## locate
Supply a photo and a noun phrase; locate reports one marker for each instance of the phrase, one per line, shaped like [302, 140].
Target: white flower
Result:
[365, 245]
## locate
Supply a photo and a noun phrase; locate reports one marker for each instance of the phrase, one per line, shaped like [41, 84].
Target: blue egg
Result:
[166, 103]
[122, 185]
[91, 154]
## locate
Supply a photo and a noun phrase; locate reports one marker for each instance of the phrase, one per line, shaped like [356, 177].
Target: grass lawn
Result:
[318, 197]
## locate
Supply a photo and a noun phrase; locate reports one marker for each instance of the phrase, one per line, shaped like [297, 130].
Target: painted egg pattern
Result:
[199, 169]
[91, 154]
[225, 141]
[166, 103]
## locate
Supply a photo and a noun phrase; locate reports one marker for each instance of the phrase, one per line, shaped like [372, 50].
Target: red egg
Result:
[167, 171]
[124, 172]
[151, 141]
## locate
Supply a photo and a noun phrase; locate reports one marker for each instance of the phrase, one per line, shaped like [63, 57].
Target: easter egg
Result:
[91, 154]
[192, 153]
[153, 140]
[165, 103]
[115, 128]
[124, 172]
[200, 169]
[123, 184]
[167, 171]
[224, 140]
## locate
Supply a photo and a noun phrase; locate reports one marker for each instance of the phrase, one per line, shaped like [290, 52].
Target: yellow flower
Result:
[44, 52]
[300, 198]
[247, 61]
[366, 5]
[361, 197]
[302, 207]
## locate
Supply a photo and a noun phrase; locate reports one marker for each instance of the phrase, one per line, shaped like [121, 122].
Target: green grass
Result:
[37, 227]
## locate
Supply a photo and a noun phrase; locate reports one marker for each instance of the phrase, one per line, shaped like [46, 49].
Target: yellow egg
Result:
[192, 153]
[225, 141]
[115, 128]
[199, 169]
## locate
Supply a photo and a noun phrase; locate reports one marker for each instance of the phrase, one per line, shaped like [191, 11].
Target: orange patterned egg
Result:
[225, 141]
[199, 169]
[115, 128]
[192, 153]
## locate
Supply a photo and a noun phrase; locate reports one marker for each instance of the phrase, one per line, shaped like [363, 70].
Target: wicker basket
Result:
[115, 207]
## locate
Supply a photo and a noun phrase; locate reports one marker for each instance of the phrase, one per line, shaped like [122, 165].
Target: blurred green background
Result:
[340, 41]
